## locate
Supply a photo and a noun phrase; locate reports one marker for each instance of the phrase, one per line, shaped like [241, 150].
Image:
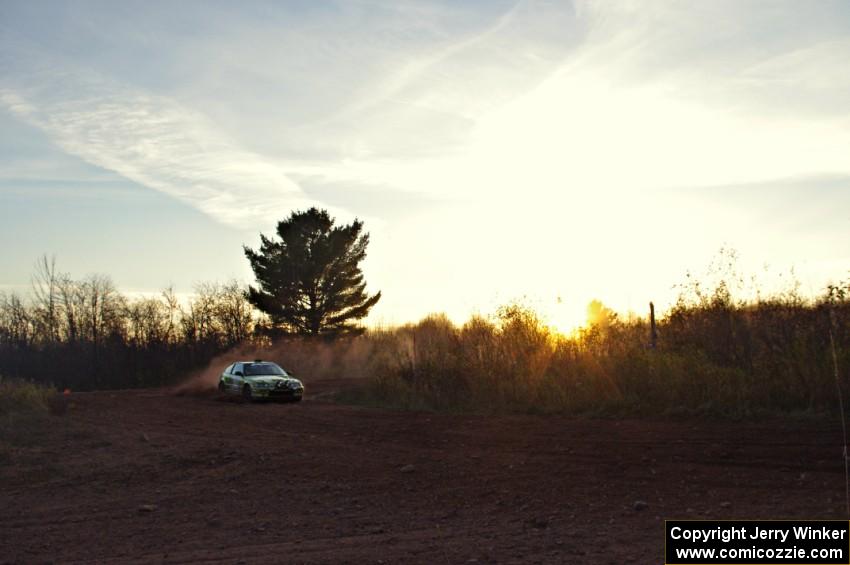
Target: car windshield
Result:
[257, 369]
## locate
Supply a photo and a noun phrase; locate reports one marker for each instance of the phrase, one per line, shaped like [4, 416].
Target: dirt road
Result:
[144, 476]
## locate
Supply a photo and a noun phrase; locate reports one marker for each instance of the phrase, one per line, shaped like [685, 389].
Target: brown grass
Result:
[716, 355]
[22, 397]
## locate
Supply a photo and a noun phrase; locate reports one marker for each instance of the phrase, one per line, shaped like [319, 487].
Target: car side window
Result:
[229, 370]
[236, 367]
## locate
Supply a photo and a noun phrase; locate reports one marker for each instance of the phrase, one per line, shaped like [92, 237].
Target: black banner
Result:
[757, 542]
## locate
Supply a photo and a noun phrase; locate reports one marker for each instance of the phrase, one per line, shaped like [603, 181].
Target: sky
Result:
[551, 152]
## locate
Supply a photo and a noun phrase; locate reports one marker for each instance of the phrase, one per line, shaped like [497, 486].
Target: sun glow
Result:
[566, 317]
[588, 185]
[575, 189]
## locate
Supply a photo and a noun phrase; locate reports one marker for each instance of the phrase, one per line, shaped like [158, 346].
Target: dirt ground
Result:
[145, 476]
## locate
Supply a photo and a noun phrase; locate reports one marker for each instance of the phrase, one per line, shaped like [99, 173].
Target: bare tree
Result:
[234, 312]
[45, 296]
[147, 320]
[200, 323]
[15, 321]
[72, 299]
[175, 312]
[103, 306]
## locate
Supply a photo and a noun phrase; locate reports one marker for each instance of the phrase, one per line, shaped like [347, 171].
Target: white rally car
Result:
[260, 380]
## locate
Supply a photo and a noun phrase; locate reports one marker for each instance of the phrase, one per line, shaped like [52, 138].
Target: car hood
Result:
[272, 380]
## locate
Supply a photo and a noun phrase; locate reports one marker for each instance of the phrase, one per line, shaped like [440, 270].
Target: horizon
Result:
[551, 152]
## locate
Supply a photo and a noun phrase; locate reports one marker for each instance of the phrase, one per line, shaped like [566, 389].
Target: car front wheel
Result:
[246, 393]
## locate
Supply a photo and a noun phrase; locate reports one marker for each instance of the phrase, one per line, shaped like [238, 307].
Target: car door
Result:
[237, 377]
[227, 378]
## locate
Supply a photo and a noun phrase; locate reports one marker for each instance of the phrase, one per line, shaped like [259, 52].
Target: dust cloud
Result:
[308, 360]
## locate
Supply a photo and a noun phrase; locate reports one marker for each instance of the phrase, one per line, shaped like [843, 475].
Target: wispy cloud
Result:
[390, 106]
[154, 141]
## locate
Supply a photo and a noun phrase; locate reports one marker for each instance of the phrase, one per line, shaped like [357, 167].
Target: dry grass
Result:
[716, 356]
[22, 397]
[24, 410]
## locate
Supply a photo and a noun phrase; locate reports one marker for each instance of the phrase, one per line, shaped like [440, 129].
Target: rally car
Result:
[260, 380]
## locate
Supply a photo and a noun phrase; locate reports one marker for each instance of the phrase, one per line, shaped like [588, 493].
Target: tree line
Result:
[84, 334]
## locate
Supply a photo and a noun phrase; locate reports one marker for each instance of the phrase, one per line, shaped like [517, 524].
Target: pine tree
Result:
[309, 281]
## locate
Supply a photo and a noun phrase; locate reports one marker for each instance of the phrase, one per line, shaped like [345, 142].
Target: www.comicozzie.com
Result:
[806, 542]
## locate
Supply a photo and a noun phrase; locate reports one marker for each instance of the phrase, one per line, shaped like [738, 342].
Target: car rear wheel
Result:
[246, 393]
[221, 388]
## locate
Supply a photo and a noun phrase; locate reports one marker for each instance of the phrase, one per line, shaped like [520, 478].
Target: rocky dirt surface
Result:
[146, 476]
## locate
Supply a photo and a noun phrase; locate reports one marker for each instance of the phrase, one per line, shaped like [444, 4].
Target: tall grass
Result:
[716, 355]
[24, 407]
[22, 397]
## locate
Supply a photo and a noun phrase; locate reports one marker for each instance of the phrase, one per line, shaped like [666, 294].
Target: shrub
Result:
[24, 397]
[716, 356]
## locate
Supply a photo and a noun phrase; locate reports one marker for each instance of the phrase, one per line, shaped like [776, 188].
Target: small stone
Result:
[148, 508]
[725, 504]
[640, 505]
[408, 469]
[145, 438]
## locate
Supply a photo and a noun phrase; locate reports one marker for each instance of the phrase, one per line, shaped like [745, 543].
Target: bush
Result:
[715, 356]
[22, 397]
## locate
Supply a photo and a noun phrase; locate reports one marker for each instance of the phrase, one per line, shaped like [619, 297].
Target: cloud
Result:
[754, 58]
[154, 141]
[525, 102]
[429, 96]
[380, 84]
[204, 120]
[630, 96]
